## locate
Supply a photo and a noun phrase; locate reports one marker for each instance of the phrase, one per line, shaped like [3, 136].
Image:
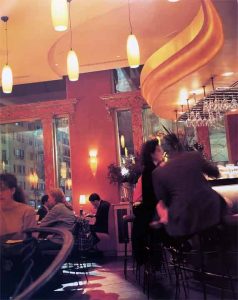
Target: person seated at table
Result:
[186, 202]
[15, 214]
[102, 207]
[61, 214]
[43, 210]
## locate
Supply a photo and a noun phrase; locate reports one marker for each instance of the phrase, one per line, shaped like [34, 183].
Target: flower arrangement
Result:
[129, 172]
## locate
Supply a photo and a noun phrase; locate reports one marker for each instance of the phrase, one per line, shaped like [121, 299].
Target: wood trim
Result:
[133, 101]
[36, 111]
[44, 111]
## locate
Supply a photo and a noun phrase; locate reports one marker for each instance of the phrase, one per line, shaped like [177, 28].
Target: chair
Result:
[25, 292]
[126, 220]
[106, 243]
[207, 264]
[83, 242]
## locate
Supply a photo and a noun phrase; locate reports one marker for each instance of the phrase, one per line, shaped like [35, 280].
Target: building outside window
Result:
[62, 156]
[16, 156]
[125, 136]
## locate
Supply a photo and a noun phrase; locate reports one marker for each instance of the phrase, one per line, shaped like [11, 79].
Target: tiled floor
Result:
[106, 282]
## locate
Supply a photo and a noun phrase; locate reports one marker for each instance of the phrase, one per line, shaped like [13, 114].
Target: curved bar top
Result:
[191, 49]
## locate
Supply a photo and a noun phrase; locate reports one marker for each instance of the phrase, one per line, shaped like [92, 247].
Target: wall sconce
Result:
[82, 199]
[93, 160]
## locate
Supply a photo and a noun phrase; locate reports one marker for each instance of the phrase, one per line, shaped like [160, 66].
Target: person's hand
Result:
[162, 212]
[90, 215]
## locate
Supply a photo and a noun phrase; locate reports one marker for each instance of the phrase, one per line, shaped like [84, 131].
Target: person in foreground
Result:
[186, 202]
[15, 214]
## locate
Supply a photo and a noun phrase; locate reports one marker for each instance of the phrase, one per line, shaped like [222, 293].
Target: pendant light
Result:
[7, 78]
[72, 59]
[59, 14]
[133, 51]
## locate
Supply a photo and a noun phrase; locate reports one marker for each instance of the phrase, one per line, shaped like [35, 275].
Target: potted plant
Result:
[126, 176]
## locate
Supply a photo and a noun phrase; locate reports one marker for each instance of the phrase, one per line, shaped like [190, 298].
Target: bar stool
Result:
[126, 220]
[203, 269]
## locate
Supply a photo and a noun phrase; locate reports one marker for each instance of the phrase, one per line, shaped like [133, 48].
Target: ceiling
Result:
[174, 94]
[37, 53]
[100, 29]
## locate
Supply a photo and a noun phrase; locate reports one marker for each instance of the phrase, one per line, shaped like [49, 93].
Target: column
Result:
[203, 138]
[137, 128]
[231, 124]
[49, 163]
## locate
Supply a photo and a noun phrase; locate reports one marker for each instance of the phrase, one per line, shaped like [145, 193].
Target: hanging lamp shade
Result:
[59, 14]
[133, 51]
[72, 66]
[7, 79]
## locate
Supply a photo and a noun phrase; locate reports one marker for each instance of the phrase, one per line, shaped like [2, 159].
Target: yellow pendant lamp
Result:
[72, 59]
[133, 50]
[72, 66]
[7, 77]
[59, 14]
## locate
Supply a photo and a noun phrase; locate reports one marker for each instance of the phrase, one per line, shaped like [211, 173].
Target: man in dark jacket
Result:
[43, 210]
[191, 203]
[102, 206]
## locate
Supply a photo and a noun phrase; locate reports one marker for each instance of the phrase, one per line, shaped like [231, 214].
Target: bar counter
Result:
[228, 188]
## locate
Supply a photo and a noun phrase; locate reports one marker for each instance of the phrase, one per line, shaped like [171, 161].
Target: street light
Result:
[34, 179]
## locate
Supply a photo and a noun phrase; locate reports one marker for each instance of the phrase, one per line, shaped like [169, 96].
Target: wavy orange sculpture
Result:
[191, 49]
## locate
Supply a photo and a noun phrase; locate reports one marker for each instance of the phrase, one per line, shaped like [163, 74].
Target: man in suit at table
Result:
[43, 210]
[102, 207]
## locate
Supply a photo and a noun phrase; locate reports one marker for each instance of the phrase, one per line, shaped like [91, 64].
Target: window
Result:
[4, 155]
[23, 143]
[3, 138]
[125, 137]
[153, 125]
[218, 143]
[126, 79]
[62, 149]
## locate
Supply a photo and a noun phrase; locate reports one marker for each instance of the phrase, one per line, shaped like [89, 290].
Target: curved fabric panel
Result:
[191, 49]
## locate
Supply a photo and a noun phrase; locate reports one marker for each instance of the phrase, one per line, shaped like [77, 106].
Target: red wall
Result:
[91, 127]
[232, 137]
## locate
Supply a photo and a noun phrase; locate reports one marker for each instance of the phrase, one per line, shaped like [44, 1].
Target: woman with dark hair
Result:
[15, 215]
[151, 157]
